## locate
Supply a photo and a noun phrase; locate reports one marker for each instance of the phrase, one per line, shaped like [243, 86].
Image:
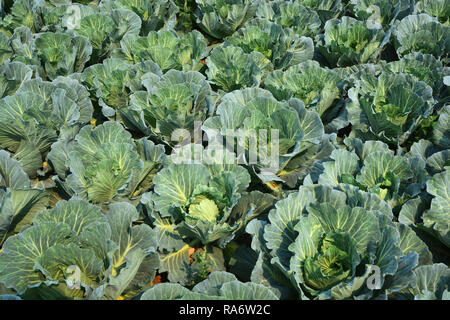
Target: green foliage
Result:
[221, 18]
[422, 33]
[224, 149]
[348, 41]
[104, 249]
[388, 107]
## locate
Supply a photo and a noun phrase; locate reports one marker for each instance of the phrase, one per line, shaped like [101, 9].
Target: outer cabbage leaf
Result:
[438, 216]
[264, 272]
[409, 242]
[436, 159]
[168, 237]
[134, 263]
[432, 283]
[152, 156]
[441, 132]
[327, 9]
[218, 286]
[19, 202]
[13, 74]
[170, 291]
[5, 48]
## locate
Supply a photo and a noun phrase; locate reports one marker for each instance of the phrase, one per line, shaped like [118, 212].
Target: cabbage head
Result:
[388, 107]
[328, 242]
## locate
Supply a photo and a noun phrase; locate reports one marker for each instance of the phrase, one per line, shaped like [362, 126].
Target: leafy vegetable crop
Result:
[225, 149]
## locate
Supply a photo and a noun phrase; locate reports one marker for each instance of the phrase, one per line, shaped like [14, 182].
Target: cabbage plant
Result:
[155, 15]
[173, 101]
[326, 242]
[205, 199]
[422, 33]
[388, 107]
[280, 46]
[320, 89]
[221, 18]
[439, 9]
[75, 237]
[295, 136]
[327, 9]
[105, 29]
[230, 68]
[426, 68]
[219, 285]
[348, 41]
[62, 53]
[112, 82]
[165, 48]
[106, 164]
[374, 168]
[24, 13]
[37, 114]
[302, 20]
[49, 54]
[382, 11]
[200, 200]
[20, 200]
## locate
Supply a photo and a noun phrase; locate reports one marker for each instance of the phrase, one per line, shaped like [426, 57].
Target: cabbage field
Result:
[225, 149]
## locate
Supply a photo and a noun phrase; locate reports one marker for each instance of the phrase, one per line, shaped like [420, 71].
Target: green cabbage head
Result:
[331, 242]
